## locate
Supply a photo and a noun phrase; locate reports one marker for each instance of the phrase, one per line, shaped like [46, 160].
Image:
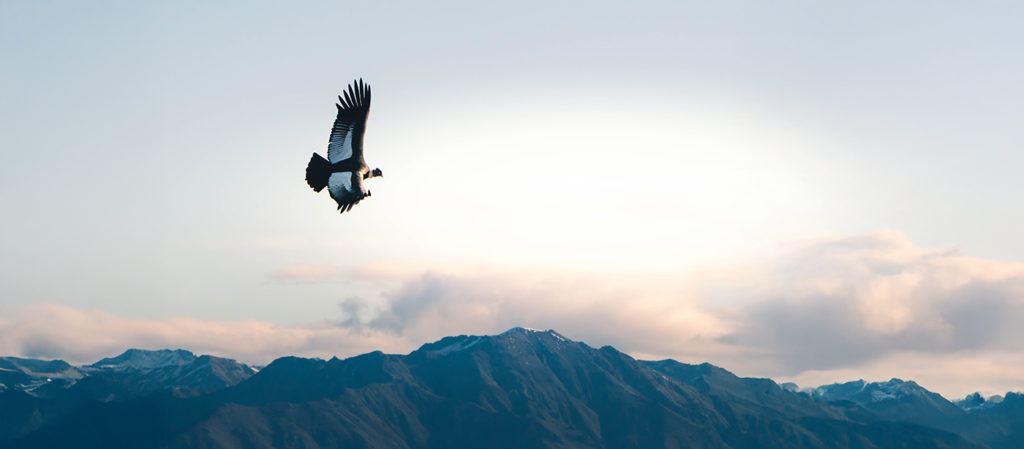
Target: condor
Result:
[344, 172]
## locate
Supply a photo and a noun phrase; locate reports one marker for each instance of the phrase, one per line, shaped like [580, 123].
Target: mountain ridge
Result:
[35, 392]
[520, 388]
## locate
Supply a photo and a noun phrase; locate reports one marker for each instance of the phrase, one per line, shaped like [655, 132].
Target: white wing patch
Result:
[340, 185]
[347, 189]
[341, 149]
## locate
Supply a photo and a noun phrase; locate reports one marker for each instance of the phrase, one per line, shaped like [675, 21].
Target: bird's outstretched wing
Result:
[347, 134]
[347, 189]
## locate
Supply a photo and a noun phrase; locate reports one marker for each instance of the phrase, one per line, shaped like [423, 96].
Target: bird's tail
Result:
[318, 172]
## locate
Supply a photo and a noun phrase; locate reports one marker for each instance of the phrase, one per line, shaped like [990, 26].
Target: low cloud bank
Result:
[85, 336]
[873, 304]
[844, 302]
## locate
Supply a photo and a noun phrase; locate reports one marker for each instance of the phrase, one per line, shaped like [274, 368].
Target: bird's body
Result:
[344, 171]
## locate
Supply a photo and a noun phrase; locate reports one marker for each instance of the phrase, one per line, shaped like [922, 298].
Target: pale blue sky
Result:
[154, 153]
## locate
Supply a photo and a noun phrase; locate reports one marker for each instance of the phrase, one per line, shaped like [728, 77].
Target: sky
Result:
[813, 192]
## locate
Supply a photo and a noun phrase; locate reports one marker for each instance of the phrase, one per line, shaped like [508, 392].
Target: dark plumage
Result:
[344, 171]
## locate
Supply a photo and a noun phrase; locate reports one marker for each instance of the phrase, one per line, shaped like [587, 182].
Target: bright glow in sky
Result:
[669, 155]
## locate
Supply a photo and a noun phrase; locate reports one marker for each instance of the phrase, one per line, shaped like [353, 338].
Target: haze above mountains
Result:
[521, 388]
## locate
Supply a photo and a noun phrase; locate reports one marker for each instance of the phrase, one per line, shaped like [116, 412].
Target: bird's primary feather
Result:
[347, 134]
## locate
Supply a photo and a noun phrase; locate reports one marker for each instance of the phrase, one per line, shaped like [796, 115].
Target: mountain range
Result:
[519, 389]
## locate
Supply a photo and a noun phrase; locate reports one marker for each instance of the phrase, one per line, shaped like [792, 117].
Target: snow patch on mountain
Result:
[975, 401]
[529, 331]
[143, 360]
[466, 343]
[872, 391]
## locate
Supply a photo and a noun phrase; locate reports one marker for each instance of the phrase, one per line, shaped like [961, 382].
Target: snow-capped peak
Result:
[144, 360]
[869, 391]
[513, 336]
[975, 401]
[527, 330]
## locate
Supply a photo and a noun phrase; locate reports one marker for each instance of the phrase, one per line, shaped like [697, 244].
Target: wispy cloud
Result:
[56, 331]
[309, 273]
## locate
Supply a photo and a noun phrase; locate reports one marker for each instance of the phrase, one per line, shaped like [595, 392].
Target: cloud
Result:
[85, 336]
[954, 375]
[827, 305]
[824, 310]
[841, 302]
[599, 311]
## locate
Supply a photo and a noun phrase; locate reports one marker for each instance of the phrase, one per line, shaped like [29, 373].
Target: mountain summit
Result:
[143, 360]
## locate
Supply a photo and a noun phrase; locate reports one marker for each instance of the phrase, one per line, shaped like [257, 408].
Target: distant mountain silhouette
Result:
[895, 399]
[975, 401]
[1008, 419]
[906, 401]
[518, 389]
[33, 392]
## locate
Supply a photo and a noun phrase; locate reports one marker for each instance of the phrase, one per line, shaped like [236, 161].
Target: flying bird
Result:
[344, 172]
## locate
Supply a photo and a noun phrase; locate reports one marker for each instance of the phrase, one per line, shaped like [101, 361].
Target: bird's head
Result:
[376, 173]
